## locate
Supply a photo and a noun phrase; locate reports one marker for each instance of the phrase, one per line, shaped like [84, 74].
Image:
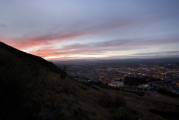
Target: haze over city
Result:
[91, 29]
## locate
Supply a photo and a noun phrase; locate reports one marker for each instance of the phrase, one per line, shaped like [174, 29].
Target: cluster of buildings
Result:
[156, 77]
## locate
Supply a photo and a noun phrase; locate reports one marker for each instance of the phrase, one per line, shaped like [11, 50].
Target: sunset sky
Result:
[91, 29]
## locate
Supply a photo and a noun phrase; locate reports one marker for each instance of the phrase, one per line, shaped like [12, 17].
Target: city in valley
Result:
[138, 76]
[89, 59]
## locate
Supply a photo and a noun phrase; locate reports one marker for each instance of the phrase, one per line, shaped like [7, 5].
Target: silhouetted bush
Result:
[112, 102]
[123, 113]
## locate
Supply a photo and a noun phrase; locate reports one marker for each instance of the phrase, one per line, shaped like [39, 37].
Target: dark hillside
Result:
[32, 88]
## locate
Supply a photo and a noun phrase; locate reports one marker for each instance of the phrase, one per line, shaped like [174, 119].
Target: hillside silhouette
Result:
[32, 88]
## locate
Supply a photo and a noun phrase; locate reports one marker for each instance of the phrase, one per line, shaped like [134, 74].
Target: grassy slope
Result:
[32, 88]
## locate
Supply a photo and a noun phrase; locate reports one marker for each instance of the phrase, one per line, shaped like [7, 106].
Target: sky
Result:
[91, 29]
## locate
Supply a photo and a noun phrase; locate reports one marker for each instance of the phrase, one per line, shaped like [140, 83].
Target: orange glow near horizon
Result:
[47, 51]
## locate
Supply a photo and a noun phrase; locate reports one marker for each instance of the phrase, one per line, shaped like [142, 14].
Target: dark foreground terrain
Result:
[34, 89]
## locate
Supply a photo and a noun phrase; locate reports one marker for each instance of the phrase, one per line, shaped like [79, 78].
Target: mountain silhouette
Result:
[32, 88]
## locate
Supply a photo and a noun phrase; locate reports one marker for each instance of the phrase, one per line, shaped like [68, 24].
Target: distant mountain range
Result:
[32, 88]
